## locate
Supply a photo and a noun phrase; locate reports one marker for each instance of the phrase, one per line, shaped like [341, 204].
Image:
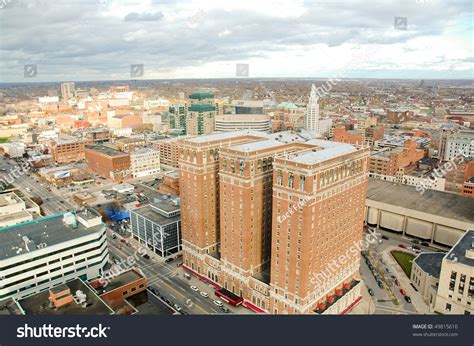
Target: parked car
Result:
[385, 237]
[415, 247]
[146, 256]
[403, 246]
[177, 307]
[425, 243]
[408, 299]
[204, 294]
[371, 292]
[403, 292]
[415, 241]
[380, 283]
[397, 282]
[223, 308]
[168, 260]
[194, 288]
[114, 236]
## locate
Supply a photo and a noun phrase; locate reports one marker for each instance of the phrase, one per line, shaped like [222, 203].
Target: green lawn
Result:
[4, 139]
[404, 259]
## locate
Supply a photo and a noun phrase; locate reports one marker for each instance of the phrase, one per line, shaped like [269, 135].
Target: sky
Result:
[79, 40]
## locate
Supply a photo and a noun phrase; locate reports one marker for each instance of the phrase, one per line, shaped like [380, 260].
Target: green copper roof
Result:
[201, 95]
[287, 105]
[201, 107]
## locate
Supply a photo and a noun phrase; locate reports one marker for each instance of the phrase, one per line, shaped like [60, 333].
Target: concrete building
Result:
[168, 149]
[425, 271]
[458, 143]
[287, 116]
[68, 149]
[200, 119]
[158, 226]
[312, 120]
[144, 162]
[231, 122]
[244, 107]
[460, 171]
[440, 218]
[38, 255]
[68, 91]
[107, 162]
[13, 150]
[14, 210]
[455, 293]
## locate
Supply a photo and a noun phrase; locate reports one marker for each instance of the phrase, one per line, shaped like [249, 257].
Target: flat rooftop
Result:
[226, 135]
[106, 150]
[321, 154]
[430, 262]
[50, 230]
[121, 280]
[151, 212]
[242, 117]
[9, 198]
[439, 203]
[38, 304]
[458, 251]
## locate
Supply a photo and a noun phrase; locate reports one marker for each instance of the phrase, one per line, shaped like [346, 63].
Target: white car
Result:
[204, 294]
[194, 288]
[218, 303]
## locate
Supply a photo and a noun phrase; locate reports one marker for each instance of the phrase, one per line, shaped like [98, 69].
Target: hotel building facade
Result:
[264, 215]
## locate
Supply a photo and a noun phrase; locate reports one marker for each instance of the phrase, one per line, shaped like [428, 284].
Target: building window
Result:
[291, 180]
[448, 307]
[280, 177]
[302, 186]
[124, 293]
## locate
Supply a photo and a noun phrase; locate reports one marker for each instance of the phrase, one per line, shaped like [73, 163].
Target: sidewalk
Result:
[366, 306]
[416, 298]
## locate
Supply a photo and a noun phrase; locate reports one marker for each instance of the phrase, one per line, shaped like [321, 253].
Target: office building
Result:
[231, 122]
[144, 162]
[312, 120]
[158, 225]
[40, 254]
[68, 91]
[459, 144]
[107, 162]
[168, 149]
[455, 291]
[68, 149]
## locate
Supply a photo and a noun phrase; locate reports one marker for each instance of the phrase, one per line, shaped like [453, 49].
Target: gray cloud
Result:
[79, 39]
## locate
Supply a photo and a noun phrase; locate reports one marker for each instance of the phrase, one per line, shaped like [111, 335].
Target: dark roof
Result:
[430, 262]
[38, 304]
[106, 150]
[438, 203]
[458, 251]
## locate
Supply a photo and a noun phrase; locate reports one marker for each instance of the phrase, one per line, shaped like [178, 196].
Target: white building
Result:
[14, 210]
[43, 253]
[235, 122]
[459, 143]
[144, 162]
[14, 150]
[312, 120]
[455, 293]
[68, 91]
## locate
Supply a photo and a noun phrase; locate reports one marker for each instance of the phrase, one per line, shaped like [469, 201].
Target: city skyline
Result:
[101, 40]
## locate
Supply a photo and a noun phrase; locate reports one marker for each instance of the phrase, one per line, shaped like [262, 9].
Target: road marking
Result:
[182, 289]
[171, 294]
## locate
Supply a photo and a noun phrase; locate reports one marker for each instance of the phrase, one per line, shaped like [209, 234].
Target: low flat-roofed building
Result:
[158, 226]
[455, 293]
[71, 298]
[107, 162]
[43, 253]
[425, 273]
[435, 216]
[14, 210]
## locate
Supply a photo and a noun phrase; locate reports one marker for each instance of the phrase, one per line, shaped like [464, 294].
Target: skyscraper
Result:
[67, 91]
[312, 120]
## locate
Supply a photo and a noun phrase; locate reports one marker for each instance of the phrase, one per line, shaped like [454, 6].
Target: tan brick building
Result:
[399, 160]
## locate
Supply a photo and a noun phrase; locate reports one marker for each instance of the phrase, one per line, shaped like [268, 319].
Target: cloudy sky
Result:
[99, 39]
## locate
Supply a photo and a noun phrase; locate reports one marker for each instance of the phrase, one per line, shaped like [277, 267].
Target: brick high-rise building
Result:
[199, 192]
[264, 216]
[318, 204]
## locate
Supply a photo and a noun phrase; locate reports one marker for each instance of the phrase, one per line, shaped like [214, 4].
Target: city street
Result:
[382, 299]
[168, 279]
